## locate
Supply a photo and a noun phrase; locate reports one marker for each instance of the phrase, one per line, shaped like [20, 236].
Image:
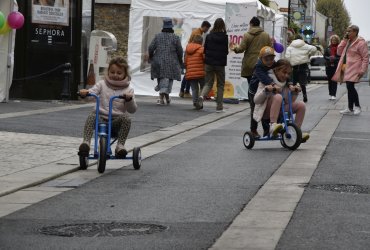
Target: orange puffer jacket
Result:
[194, 61]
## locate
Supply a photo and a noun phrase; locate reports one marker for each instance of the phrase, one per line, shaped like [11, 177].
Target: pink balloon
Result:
[15, 20]
[279, 48]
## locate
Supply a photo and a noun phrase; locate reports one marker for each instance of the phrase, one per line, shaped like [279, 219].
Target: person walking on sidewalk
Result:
[116, 82]
[352, 66]
[215, 51]
[165, 55]
[185, 85]
[194, 63]
[298, 54]
[332, 60]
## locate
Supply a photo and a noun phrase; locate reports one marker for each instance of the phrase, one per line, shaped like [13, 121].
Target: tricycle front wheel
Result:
[102, 159]
[291, 137]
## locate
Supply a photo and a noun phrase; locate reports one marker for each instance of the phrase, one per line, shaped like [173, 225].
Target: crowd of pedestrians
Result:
[204, 61]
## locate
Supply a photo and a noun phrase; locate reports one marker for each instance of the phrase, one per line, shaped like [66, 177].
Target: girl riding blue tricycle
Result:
[277, 103]
[114, 100]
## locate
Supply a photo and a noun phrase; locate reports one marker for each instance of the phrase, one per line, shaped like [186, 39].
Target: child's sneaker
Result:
[84, 149]
[305, 137]
[255, 134]
[120, 152]
[275, 128]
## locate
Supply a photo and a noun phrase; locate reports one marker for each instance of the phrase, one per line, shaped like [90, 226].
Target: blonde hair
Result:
[334, 37]
[198, 39]
[121, 63]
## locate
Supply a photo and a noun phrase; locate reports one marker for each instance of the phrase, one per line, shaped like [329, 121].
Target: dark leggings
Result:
[352, 95]
[254, 123]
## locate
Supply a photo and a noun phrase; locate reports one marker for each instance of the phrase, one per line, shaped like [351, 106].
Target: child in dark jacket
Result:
[265, 62]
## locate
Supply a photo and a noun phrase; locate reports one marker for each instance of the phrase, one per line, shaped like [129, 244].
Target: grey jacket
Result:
[165, 55]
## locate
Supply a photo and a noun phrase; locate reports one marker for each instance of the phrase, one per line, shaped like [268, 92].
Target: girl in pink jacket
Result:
[352, 66]
[116, 82]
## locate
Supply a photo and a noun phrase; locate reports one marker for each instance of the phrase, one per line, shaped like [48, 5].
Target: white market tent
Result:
[6, 52]
[146, 21]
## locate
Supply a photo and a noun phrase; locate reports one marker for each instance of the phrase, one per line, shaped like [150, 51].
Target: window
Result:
[318, 61]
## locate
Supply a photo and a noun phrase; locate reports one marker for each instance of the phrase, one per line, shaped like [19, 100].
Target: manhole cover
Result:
[114, 229]
[343, 188]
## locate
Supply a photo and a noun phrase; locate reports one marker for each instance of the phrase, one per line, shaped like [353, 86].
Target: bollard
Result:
[67, 72]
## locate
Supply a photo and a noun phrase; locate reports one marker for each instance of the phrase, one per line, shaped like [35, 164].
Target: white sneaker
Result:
[356, 110]
[333, 98]
[346, 112]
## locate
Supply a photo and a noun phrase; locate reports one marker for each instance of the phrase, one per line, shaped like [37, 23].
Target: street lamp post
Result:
[289, 13]
[93, 14]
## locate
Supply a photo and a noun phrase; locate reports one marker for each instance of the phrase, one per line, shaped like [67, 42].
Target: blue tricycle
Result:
[290, 136]
[103, 140]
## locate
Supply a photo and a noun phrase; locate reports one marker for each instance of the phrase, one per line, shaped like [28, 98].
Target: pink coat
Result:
[357, 61]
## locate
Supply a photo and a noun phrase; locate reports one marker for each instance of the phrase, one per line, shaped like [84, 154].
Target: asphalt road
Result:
[196, 189]
[148, 118]
[337, 220]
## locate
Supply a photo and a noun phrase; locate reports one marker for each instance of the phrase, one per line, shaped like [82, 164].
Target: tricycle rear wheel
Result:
[248, 140]
[136, 158]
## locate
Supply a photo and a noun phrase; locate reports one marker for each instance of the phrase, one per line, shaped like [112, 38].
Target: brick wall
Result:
[114, 18]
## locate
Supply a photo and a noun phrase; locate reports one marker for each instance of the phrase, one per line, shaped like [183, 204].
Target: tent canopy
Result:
[199, 6]
[146, 21]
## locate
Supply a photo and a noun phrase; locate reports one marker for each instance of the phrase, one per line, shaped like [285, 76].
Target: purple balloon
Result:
[279, 48]
[15, 20]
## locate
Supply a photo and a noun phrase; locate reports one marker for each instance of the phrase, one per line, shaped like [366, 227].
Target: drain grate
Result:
[343, 188]
[113, 229]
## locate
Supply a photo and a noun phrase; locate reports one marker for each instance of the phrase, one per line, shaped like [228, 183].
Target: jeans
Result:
[211, 72]
[185, 85]
[196, 86]
[352, 95]
[332, 85]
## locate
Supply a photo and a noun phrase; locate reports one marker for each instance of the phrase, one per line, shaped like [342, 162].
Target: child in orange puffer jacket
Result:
[194, 63]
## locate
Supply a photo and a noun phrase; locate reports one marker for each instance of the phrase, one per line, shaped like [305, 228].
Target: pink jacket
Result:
[119, 106]
[357, 60]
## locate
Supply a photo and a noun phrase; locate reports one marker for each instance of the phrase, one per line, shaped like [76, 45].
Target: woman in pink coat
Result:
[352, 66]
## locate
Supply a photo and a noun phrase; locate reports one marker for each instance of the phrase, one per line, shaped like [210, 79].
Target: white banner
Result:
[237, 24]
